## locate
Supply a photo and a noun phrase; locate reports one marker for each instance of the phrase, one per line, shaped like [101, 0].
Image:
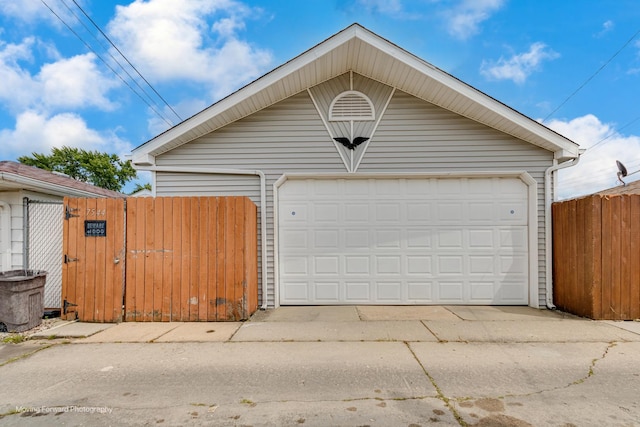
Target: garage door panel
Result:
[296, 291]
[388, 265]
[418, 265]
[358, 265]
[358, 292]
[326, 265]
[327, 291]
[357, 212]
[514, 238]
[482, 292]
[403, 241]
[449, 213]
[326, 212]
[419, 238]
[451, 292]
[387, 239]
[357, 239]
[389, 291]
[296, 265]
[482, 265]
[296, 239]
[481, 239]
[449, 239]
[419, 292]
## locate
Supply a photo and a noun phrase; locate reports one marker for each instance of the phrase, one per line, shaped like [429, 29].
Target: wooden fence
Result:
[92, 269]
[596, 256]
[191, 259]
[187, 259]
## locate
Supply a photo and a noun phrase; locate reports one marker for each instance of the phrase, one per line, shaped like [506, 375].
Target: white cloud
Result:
[520, 66]
[41, 133]
[464, 20]
[25, 10]
[597, 169]
[18, 87]
[74, 82]
[34, 11]
[171, 40]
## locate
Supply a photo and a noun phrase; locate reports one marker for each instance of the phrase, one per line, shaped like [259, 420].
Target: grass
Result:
[14, 339]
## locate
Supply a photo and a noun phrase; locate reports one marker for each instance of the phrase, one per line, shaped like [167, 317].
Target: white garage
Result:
[379, 179]
[404, 241]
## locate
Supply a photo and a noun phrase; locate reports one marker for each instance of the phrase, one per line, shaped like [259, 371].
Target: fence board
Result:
[212, 291]
[625, 247]
[176, 262]
[166, 258]
[221, 295]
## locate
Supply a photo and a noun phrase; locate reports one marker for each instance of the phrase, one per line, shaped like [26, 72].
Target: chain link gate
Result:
[43, 245]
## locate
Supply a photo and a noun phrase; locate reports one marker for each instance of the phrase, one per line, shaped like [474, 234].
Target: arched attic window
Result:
[351, 105]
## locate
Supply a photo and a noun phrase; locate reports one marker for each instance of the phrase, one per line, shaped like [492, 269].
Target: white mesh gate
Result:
[43, 234]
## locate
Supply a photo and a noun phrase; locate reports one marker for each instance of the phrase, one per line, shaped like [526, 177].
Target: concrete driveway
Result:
[318, 366]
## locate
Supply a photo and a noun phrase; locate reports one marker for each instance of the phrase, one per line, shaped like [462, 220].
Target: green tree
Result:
[100, 169]
[139, 187]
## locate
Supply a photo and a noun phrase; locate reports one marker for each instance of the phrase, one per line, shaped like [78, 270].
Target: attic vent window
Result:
[351, 105]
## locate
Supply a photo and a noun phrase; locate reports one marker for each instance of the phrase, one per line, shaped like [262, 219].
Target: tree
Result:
[140, 187]
[100, 169]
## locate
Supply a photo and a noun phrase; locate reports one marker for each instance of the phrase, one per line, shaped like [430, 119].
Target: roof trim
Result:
[34, 179]
[502, 117]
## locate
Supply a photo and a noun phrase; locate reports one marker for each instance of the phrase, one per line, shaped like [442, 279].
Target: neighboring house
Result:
[36, 194]
[380, 179]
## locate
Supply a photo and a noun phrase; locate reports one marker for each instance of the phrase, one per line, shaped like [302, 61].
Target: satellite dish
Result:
[622, 171]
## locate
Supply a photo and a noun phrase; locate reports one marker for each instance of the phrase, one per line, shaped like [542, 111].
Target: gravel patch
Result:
[46, 324]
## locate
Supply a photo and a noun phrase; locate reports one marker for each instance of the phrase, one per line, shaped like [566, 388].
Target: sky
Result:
[109, 75]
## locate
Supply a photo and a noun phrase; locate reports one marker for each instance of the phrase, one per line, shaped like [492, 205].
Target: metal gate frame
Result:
[42, 250]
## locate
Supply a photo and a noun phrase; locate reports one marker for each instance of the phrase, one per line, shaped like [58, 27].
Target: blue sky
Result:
[575, 65]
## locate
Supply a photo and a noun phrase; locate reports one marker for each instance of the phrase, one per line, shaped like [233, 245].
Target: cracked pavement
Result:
[590, 377]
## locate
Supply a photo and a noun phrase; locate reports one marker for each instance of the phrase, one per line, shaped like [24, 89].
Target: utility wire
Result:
[106, 63]
[109, 53]
[592, 76]
[126, 59]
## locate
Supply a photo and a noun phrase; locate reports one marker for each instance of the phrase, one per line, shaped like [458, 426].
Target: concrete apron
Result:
[365, 323]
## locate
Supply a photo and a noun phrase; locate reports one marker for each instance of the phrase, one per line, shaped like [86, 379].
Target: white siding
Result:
[290, 137]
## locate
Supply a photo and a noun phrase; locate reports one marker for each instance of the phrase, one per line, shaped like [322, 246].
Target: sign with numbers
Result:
[95, 228]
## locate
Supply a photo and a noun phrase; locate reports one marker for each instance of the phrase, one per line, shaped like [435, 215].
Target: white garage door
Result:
[403, 241]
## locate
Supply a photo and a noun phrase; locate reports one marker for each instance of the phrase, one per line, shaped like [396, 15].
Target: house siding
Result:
[291, 137]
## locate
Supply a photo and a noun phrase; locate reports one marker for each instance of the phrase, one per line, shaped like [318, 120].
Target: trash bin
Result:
[22, 299]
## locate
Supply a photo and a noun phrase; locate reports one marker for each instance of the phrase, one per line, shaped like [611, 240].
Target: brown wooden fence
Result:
[191, 259]
[187, 259]
[596, 256]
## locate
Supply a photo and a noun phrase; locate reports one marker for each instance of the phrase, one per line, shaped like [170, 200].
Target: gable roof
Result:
[363, 52]
[16, 176]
